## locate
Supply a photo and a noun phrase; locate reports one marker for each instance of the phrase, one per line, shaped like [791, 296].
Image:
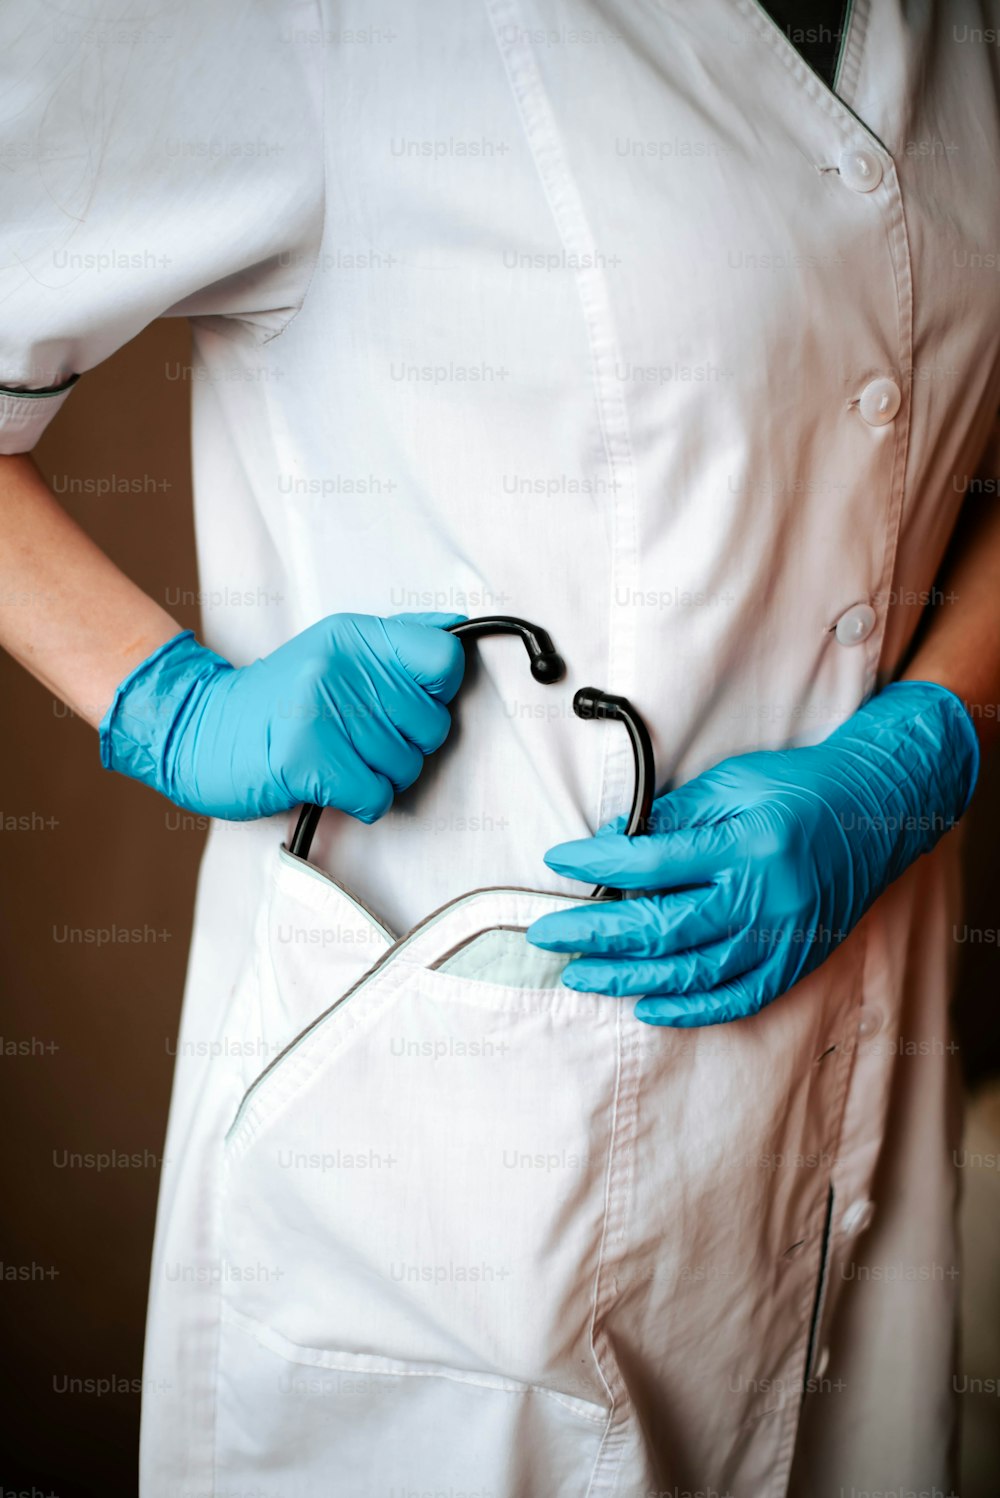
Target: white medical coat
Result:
[610, 314]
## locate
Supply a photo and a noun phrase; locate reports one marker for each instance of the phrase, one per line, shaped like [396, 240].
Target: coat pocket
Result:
[426, 1166]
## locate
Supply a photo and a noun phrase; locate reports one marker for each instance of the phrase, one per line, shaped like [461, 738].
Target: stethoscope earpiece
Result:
[590, 702]
[548, 668]
[547, 665]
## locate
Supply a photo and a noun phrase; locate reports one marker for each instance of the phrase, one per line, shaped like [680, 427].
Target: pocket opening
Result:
[822, 1280]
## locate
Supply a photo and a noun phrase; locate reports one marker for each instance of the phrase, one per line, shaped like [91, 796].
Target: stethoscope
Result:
[548, 667]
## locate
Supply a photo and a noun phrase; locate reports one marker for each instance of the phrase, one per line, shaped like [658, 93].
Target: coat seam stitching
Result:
[321, 233]
[786, 1456]
[903, 280]
[570, 220]
[341, 1358]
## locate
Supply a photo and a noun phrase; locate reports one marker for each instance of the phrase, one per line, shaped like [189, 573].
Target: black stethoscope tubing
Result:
[547, 666]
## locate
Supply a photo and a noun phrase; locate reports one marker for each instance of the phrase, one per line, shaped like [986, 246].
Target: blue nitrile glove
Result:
[341, 715]
[761, 865]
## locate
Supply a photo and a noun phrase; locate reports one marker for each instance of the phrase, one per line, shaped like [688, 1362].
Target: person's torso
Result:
[621, 321]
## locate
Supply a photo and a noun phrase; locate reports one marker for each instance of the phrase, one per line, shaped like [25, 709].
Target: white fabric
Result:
[559, 308]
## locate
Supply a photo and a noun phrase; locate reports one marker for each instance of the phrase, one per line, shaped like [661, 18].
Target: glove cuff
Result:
[958, 738]
[151, 704]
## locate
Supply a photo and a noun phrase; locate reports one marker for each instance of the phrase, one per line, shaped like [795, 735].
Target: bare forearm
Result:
[67, 612]
[960, 647]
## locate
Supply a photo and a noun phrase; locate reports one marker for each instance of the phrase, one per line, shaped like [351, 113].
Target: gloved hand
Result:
[761, 865]
[341, 715]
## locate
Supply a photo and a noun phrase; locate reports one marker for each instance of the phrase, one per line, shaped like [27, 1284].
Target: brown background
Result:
[100, 1022]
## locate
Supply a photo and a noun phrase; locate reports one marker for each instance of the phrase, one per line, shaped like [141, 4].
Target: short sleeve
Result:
[170, 163]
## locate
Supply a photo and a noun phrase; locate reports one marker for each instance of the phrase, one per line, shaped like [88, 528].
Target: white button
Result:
[860, 169]
[879, 402]
[869, 1022]
[822, 1363]
[857, 1217]
[854, 627]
